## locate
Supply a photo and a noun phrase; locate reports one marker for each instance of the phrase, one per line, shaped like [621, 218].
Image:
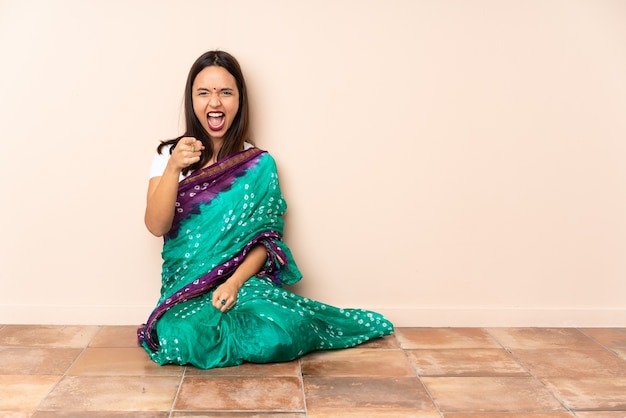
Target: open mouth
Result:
[216, 121]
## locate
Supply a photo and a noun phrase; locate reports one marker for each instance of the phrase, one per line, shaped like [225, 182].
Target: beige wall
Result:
[456, 163]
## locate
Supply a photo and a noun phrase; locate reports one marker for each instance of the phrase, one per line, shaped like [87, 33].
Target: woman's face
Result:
[215, 100]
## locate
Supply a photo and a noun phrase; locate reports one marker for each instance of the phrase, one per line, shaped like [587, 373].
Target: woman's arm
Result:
[160, 203]
[162, 190]
[228, 290]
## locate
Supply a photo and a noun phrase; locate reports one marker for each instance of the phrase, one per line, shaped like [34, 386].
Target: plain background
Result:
[447, 163]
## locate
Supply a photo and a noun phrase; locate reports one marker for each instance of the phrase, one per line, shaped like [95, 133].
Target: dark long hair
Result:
[237, 134]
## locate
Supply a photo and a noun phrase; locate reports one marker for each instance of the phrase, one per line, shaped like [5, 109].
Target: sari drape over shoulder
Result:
[223, 211]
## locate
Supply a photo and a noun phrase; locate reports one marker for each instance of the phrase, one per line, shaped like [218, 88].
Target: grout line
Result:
[417, 375]
[180, 385]
[419, 378]
[64, 375]
[306, 412]
[605, 347]
[522, 365]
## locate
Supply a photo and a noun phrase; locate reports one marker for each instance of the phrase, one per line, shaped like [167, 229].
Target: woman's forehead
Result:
[215, 77]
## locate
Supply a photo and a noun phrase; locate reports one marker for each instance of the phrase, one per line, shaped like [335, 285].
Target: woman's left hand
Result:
[225, 296]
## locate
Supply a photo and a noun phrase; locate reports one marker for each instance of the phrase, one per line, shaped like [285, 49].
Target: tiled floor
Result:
[90, 371]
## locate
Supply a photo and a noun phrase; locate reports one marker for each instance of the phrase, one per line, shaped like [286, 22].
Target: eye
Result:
[227, 92]
[202, 93]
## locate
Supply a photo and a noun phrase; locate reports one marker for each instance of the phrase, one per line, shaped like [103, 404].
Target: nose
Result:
[214, 100]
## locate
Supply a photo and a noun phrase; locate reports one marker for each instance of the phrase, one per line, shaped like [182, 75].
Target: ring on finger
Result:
[193, 149]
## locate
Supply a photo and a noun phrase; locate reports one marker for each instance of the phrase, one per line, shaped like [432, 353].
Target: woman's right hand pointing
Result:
[187, 152]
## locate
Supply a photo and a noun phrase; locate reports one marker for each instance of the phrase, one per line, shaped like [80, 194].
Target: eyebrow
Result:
[222, 89]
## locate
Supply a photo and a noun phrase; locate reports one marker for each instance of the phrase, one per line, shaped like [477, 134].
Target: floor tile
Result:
[531, 338]
[357, 362]
[213, 414]
[614, 339]
[290, 368]
[511, 415]
[369, 413]
[608, 337]
[115, 336]
[437, 338]
[47, 335]
[14, 414]
[388, 341]
[120, 362]
[465, 362]
[23, 393]
[240, 393]
[620, 352]
[572, 363]
[95, 372]
[358, 394]
[601, 394]
[112, 393]
[491, 394]
[99, 414]
[36, 360]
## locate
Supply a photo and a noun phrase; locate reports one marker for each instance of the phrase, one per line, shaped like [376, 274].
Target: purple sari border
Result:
[207, 282]
[222, 167]
[205, 181]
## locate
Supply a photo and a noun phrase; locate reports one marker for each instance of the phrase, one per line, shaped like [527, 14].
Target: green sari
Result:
[223, 211]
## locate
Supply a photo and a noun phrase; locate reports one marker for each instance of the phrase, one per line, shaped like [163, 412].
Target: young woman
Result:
[216, 200]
